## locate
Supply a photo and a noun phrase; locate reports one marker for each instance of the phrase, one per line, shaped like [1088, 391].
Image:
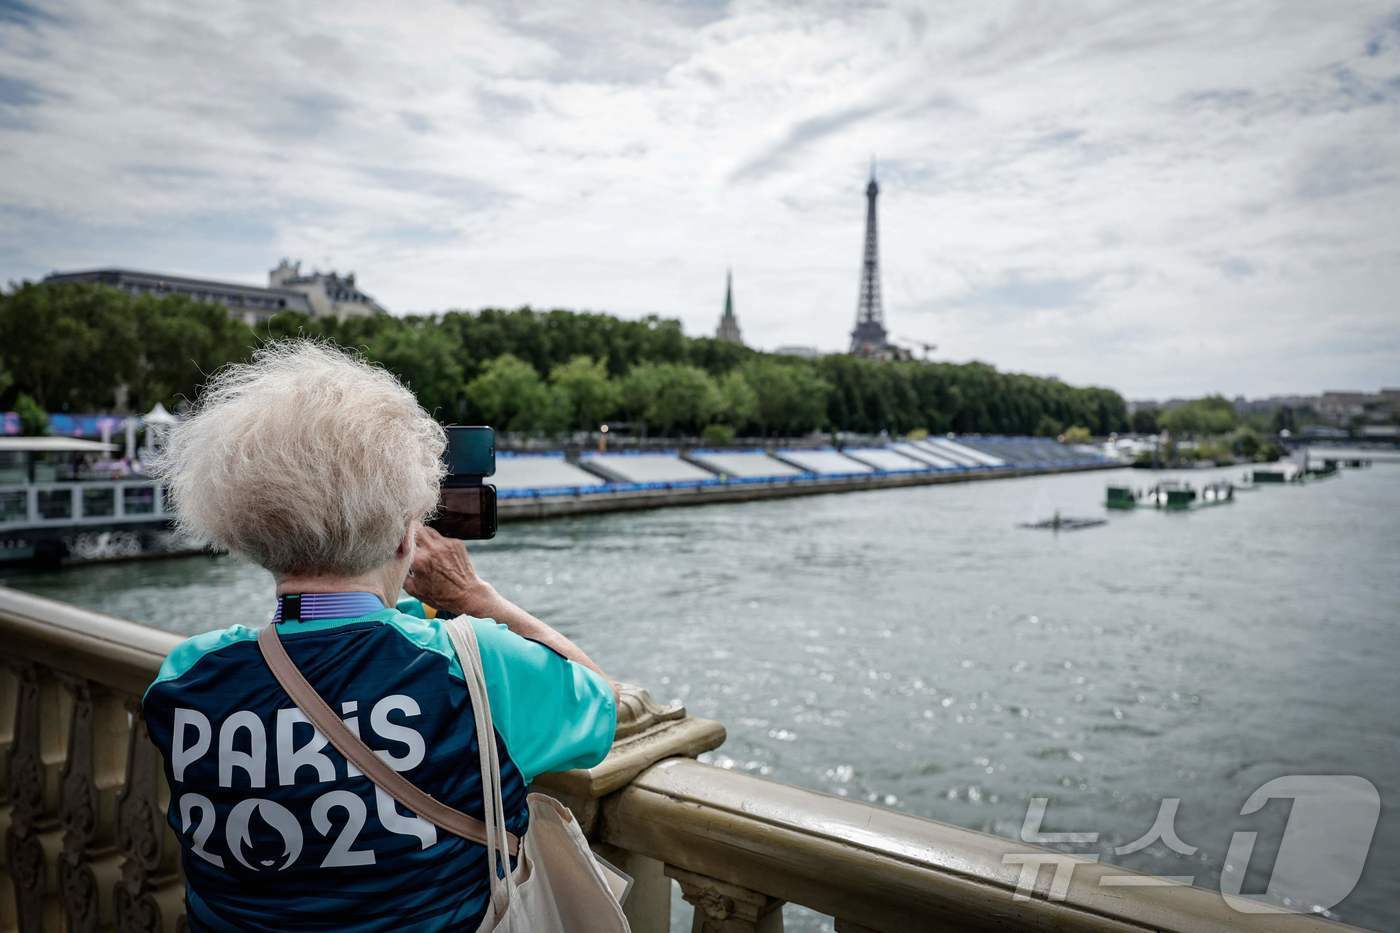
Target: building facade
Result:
[249, 303]
[329, 293]
[317, 294]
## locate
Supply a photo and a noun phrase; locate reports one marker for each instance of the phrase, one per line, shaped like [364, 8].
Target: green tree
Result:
[424, 356]
[1078, 434]
[717, 435]
[510, 395]
[1204, 417]
[671, 396]
[33, 420]
[1145, 421]
[587, 395]
[791, 398]
[738, 400]
[1047, 427]
[636, 390]
[1245, 443]
[181, 342]
[69, 346]
[808, 412]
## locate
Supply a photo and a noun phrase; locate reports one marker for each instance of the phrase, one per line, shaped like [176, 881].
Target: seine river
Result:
[916, 649]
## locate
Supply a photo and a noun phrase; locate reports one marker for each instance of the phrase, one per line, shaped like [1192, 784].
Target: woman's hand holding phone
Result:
[443, 577]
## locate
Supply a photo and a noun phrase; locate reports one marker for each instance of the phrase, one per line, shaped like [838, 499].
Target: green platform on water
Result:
[1170, 495]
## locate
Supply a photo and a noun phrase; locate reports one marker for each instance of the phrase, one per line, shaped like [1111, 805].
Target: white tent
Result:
[158, 423]
[158, 416]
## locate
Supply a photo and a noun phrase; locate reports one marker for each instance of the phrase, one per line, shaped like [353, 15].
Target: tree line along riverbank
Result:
[67, 347]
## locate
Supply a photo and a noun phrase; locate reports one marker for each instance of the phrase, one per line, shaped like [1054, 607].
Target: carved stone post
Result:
[150, 895]
[9, 701]
[648, 906]
[92, 779]
[33, 840]
[726, 908]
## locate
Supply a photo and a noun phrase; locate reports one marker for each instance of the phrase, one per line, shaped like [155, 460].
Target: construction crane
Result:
[922, 345]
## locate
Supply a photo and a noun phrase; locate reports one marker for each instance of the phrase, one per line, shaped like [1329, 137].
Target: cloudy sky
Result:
[1168, 198]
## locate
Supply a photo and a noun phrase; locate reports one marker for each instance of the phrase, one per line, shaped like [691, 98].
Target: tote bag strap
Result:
[463, 638]
[361, 756]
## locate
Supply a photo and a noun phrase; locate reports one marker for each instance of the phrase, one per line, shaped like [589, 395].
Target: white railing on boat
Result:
[30, 506]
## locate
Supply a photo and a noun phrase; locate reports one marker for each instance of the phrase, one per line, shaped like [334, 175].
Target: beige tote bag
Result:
[558, 886]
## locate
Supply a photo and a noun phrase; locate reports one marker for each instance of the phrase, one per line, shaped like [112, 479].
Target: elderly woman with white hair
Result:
[321, 468]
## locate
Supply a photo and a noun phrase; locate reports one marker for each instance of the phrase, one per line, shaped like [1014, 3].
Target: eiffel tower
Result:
[869, 338]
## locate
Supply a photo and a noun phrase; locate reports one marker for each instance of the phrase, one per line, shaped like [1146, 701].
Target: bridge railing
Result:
[87, 845]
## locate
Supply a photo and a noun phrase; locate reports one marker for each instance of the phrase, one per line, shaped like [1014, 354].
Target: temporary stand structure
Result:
[157, 423]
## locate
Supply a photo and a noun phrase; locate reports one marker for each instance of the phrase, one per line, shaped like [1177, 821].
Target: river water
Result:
[916, 649]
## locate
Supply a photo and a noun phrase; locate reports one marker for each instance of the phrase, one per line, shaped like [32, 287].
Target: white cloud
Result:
[1165, 199]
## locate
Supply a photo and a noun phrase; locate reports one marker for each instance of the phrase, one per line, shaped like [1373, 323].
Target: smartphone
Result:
[467, 504]
[466, 512]
[470, 454]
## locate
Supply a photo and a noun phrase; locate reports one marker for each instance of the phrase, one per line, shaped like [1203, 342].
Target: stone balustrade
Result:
[87, 846]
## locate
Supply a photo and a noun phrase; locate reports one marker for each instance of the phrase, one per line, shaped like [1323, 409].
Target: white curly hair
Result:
[307, 460]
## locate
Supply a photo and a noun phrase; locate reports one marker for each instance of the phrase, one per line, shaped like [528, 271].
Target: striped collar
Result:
[316, 606]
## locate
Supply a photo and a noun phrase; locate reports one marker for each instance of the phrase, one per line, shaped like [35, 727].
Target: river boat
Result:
[1322, 469]
[1172, 495]
[1276, 474]
[65, 499]
[1217, 493]
[1164, 493]
[1122, 497]
[1127, 497]
[1185, 497]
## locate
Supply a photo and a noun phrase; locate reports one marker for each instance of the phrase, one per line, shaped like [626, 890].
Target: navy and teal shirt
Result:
[278, 831]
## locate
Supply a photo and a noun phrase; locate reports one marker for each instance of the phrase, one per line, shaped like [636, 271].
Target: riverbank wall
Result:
[602, 499]
[93, 525]
[554, 484]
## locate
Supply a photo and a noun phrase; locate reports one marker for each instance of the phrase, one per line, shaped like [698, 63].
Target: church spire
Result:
[728, 323]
